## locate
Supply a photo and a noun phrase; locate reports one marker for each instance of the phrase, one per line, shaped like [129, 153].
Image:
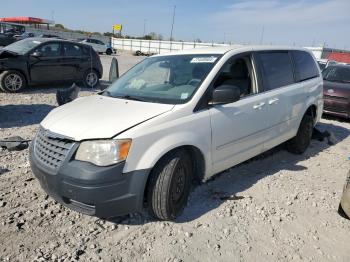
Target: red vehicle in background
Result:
[336, 90]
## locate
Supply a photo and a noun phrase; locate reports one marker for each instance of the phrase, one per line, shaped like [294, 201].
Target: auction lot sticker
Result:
[210, 59]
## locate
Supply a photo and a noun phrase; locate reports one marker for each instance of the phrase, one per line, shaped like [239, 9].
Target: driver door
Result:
[48, 66]
[239, 129]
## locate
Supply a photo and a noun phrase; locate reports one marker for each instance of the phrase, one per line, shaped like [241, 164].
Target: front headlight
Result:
[103, 152]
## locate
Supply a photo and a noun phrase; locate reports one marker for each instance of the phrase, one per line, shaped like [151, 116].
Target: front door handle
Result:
[273, 101]
[259, 106]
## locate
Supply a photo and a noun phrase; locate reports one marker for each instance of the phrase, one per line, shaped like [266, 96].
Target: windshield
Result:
[164, 79]
[23, 46]
[337, 74]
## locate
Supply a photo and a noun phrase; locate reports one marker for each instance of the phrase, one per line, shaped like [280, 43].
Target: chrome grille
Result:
[51, 150]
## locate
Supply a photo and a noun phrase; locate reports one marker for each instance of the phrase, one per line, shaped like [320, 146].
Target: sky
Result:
[279, 22]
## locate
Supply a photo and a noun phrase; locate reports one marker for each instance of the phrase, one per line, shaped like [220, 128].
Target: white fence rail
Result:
[156, 46]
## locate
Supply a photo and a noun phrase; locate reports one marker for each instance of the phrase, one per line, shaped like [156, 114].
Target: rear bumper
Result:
[97, 191]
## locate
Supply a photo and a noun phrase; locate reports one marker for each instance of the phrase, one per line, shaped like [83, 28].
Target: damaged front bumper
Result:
[96, 191]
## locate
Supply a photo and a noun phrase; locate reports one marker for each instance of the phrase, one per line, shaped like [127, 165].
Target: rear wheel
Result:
[299, 143]
[109, 51]
[169, 185]
[12, 81]
[91, 78]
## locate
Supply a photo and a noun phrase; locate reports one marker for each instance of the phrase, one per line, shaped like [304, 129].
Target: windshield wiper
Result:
[129, 97]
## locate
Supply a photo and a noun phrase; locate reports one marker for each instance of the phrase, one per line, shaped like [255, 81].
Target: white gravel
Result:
[285, 210]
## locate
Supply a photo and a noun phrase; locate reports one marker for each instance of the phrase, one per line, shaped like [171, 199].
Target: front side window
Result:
[98, 42]
[49, 50]
[304, 65]
[337, 74]
[238, 72]
[164, 79]
[276, 68]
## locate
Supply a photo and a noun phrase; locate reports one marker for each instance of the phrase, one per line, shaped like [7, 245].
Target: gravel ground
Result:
[276, 207]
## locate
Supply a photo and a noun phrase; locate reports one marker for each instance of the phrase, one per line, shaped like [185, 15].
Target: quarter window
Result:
[305, 66]
[276, 68]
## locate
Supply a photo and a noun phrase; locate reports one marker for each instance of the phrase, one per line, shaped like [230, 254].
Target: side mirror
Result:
[225, 94]
[36, 54]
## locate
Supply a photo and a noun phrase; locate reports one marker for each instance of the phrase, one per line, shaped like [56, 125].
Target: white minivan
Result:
[173, 119]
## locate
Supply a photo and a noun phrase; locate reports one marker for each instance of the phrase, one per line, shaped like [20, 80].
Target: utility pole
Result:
[172, 28]
[262, 35]
[144, 26]
[53, 15]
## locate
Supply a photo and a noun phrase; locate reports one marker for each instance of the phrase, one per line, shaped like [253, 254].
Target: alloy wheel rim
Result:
[91, 79]
[13, 82]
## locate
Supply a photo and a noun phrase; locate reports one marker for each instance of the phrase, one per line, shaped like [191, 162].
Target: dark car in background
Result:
[336, 90]
[6, 39]
[46, 60]
[9, 33]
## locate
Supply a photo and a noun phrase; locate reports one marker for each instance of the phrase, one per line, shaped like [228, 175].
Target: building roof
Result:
[26, 20]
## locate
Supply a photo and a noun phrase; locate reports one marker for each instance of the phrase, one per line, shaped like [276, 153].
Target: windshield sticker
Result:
[184, 95]
[210, 59]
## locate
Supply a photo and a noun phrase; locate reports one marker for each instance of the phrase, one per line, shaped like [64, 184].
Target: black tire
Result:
[299, 143]
[341, 212]
[12, 81]
[109, 51]
[169, 185]
[87, 78]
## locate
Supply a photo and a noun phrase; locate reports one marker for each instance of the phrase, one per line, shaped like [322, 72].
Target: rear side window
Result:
[305, 66]
[276, 68]
[72, 50]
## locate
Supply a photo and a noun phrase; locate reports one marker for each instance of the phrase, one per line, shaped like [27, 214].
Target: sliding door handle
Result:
[273, 101]
[259, 106]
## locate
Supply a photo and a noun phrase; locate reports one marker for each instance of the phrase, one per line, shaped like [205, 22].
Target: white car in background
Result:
[98, 45]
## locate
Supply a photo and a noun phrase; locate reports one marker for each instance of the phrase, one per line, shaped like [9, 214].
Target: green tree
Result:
[60, 26]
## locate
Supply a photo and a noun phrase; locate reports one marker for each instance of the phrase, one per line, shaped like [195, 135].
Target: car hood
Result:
[97, 116]
[4, 54]
[336, 89]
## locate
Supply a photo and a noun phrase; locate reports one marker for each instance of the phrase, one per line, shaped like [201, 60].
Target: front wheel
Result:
[299, 143]
[109, 51]
[12, 81]
[170, 184]
[91, 78]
